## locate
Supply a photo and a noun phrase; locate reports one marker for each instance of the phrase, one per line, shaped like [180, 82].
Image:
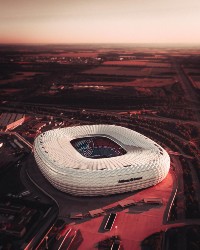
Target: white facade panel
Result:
[144, 164]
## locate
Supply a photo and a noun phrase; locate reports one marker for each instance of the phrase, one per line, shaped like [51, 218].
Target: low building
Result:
[9, 121]
[153, 201]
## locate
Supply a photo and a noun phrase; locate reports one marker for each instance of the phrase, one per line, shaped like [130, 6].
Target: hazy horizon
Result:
[188, 45]
[95, 21]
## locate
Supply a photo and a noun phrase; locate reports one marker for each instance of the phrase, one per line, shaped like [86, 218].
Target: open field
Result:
[18, 76]
[128, 71]
[149, 83]
[138, 63]
[89, 74]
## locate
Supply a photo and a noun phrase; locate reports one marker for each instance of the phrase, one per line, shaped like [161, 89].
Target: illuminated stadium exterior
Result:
[94, 160]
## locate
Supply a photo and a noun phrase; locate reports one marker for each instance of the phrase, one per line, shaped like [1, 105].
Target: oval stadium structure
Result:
[94, 160]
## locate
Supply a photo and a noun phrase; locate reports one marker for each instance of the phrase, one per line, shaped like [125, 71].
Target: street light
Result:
[115, 231]
[46, 238]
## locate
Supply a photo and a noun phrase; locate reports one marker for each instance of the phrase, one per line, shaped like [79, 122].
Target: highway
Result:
[189, 91]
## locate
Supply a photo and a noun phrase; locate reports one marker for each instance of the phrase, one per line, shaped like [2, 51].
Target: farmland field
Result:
[149, 83]
[128, 71]
[139, 63]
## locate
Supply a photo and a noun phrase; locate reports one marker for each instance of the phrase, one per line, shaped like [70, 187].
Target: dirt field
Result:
[139, 63]
[19, 76]
[150, 83]
[127, 63]
[109, 70]
[127, 71]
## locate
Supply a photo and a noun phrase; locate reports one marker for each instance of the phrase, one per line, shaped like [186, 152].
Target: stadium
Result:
[96, 160]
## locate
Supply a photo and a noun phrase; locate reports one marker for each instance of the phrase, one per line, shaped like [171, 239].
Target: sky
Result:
[100, 21]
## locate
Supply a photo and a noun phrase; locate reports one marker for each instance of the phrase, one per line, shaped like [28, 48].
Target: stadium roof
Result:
[144, 163]
[56, 149]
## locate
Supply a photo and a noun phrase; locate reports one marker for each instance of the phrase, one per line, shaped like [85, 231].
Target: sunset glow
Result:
[95, 21]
